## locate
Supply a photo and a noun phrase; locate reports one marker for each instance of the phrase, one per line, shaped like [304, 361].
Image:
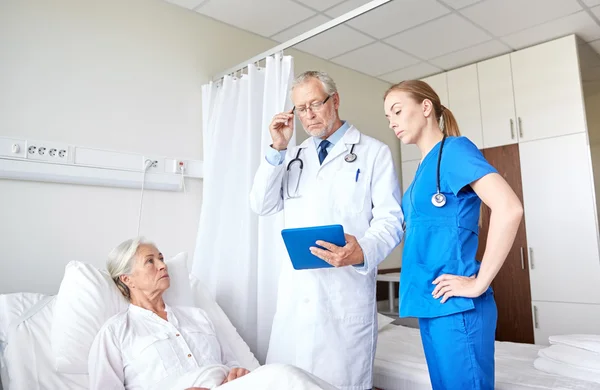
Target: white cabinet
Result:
[409, 152]
[547, 89]
[498, 117]
[557, 318]
[439, 84]
[409, 168]
[463, 101]
[560, 219]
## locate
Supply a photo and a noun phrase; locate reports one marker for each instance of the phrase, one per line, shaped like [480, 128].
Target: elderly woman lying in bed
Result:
[154, 346]
[151, 344]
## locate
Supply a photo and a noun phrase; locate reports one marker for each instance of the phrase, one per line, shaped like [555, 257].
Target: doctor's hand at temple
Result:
[281, 129]
[340, 256]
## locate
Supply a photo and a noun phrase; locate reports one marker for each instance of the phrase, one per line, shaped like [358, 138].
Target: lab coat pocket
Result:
[350, 191]
[152, 356]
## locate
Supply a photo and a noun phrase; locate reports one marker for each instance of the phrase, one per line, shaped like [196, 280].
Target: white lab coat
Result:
[326, 319]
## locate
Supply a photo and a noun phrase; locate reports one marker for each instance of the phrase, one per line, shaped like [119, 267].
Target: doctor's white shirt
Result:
[137, 349]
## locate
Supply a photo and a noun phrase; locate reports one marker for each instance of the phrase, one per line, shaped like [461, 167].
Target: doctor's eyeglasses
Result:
[314, 107]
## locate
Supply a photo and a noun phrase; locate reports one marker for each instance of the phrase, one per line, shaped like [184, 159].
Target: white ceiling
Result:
[410, 38]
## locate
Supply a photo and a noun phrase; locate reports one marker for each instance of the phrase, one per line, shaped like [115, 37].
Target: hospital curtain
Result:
[238, 254]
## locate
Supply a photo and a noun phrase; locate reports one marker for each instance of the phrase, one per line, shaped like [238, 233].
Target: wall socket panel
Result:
[48, 151]
[158, 164]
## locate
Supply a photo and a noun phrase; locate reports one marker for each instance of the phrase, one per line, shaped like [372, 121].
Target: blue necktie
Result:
[323, 150]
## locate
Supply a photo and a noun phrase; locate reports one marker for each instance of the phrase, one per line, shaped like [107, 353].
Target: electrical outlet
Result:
[176, 166]
[48, 151]
[156, 166]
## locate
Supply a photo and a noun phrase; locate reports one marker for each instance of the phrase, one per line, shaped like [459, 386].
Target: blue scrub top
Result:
[441, 240]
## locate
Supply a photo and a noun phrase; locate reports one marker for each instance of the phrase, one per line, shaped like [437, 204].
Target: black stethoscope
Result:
[438, 199]
[349, 158]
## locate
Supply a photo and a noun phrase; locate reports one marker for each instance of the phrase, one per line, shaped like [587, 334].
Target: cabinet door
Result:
[557, 318]
[463, 101]
[440, 85]
[511, 285]
[497, 102]
[560, 219]
[547, 87]
[409, 168]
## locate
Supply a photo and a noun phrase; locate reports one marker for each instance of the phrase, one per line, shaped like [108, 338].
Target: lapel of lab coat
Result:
[351, 137]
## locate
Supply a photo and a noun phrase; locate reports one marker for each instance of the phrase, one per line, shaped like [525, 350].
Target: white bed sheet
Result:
[400, 365]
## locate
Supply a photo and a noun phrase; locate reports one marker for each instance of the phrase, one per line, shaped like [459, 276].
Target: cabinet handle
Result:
[535, 317]
[522, 260]
[512, 129]
[520, 125]
[531, 258]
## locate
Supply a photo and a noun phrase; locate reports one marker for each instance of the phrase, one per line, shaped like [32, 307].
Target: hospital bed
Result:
[27, 360]
[400, 364]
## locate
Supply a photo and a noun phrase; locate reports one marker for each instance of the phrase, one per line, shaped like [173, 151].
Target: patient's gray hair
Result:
[120, 262]
[328, 83]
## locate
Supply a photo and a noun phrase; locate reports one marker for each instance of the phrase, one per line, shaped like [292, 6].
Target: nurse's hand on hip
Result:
[281, 129]
[340, 256]
[448, 286]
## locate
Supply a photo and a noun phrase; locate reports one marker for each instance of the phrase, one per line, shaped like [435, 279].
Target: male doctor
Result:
[326, 319]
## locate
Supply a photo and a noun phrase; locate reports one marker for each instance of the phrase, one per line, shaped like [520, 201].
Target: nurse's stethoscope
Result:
[438, 199]
[349, 158]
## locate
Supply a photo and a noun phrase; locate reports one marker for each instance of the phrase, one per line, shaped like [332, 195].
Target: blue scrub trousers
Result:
[459, 348]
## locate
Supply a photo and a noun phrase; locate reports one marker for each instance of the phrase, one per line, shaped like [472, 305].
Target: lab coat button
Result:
[177, 335]
[189, 355]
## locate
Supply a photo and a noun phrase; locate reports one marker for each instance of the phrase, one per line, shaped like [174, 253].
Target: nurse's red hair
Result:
[420, 90]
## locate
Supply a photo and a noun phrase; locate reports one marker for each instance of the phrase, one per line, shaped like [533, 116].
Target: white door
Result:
[409, 168]
[497, 102]
[463, 101]
[560, 219]
[440, 85]
[547, 87]
[557, 318]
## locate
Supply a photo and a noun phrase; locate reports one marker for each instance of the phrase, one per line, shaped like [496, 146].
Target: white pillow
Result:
[87, 298]
[179, 292]
[588, 342]
[238, 346]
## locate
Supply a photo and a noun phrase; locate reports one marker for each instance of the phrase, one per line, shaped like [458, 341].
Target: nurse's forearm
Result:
[504, 223]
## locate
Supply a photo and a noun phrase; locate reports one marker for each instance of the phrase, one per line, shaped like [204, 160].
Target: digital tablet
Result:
[299, 240]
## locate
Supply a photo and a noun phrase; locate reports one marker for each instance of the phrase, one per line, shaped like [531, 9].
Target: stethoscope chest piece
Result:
[350, 157]
[438, 199]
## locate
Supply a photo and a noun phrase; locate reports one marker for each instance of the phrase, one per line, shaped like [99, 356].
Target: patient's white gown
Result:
[138, 350]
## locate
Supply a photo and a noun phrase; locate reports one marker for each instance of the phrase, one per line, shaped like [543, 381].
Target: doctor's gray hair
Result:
[120, 262]
[328, 83]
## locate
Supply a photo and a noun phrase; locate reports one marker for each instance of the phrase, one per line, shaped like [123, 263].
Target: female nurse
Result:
[441, 283]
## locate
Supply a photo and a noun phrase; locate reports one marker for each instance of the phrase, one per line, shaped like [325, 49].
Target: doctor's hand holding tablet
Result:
[322, 247]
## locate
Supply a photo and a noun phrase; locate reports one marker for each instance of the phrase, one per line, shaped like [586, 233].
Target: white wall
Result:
[122, 75]
[592, 102]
